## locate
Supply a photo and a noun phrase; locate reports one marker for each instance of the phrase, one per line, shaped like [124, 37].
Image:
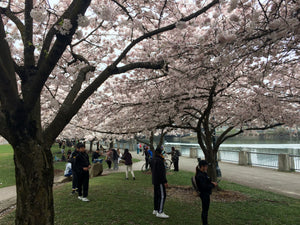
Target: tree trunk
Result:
[210, 157]
[111, 144]
[152, 142]
[91, 146]
[34, 181]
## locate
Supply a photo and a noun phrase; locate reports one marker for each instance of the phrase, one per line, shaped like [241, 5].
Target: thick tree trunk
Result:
[34, 181]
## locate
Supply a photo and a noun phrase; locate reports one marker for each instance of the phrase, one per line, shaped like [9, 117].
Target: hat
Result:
[202, 163]
[158, 149]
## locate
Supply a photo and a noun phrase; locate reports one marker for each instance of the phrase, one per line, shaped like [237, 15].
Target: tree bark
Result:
[212, 167]
[34, 181]
[91, 146]
[151, 140]
[210, 155]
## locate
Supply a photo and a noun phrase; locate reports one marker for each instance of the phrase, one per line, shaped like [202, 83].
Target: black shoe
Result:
[134, 178]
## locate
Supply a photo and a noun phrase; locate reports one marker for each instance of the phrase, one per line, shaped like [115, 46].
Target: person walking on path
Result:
[82, 166]
[138, 148]
[108, 158]
[205, 186]
[128, 163]
[160, 183]
[175, 158]
[72, 160]
[115, 159]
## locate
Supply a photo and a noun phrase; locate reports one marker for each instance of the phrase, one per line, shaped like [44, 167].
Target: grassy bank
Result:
[117, 201]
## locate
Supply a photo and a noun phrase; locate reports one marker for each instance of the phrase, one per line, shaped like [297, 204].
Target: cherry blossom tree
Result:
[54, 56]
[237, 73]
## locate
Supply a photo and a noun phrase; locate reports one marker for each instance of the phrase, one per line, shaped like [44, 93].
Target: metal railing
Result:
[229, 156]
[295, 162]
[268, 160]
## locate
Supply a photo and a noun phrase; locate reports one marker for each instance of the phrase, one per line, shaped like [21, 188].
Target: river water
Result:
[261, 152]
[293, 149]
[250, 144]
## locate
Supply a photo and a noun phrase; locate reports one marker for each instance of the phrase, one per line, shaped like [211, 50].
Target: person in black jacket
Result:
[175, 158]
[205, 186]
[95, 156]
[115, 159]
[82, 166]
[72, 160]
[159, 182]
[128, 162]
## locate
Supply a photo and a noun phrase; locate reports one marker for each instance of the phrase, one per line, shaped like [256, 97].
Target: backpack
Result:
[194, 183]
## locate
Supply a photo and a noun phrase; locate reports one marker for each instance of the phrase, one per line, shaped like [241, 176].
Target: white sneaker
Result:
[80, 197]
[85, 200]
[162, 215]
[154, 212]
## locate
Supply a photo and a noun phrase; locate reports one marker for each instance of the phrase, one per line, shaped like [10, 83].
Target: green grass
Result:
[7, 167]
[117, 201]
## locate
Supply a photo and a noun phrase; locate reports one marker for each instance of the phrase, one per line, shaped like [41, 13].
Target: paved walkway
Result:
[285, 183]
[261, 178]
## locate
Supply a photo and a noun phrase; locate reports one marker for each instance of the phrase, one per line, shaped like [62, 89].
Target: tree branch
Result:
[161, 30]
[8, 84]
[7, 12]
[48, 61]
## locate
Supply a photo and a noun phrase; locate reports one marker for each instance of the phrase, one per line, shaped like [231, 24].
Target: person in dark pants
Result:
[82, 166]
[205, 186]
[175, 158]
[95, 156]
[72, 160]
[160, 183]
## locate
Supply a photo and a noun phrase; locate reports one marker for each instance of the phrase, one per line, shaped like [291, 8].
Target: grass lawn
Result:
[7, 167]
[118, 201]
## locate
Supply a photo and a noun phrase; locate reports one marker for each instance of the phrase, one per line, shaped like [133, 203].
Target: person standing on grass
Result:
[175, 158]
[72, 160]
[82, 166]
[128, 163]
[160, 183]
[205, 186]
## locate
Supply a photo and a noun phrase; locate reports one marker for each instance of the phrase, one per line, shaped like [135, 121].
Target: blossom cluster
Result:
[65, 28]
[38, 15]
[83, 21]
